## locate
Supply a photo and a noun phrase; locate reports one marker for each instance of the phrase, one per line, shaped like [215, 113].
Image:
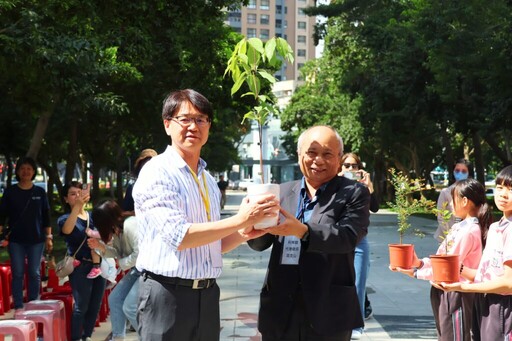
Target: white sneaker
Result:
[356, 334]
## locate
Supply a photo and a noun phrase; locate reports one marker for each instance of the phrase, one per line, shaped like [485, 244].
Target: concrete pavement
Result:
[401, 305]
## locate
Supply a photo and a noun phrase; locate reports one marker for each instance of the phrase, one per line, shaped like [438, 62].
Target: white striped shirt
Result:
[167, 202]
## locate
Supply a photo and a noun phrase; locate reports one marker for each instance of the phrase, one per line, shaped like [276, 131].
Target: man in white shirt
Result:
[181, 236]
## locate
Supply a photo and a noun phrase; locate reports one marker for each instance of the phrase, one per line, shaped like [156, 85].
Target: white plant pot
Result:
[254, 192]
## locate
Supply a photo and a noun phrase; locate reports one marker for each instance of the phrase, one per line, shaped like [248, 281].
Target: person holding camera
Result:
[87, 292]
[25, 208]
[352, 168]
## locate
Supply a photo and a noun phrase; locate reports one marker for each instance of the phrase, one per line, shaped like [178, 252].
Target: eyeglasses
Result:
[349, 165]
[185, 121]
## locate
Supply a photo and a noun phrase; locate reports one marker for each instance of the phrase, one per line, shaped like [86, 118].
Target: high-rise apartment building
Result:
[282, 18]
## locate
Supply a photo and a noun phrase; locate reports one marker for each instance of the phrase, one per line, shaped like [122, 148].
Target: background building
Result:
[265, 19]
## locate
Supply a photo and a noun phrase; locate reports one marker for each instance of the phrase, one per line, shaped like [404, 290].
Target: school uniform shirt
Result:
[465, 240]
[498, 250]
[125, 246]
[167, 202]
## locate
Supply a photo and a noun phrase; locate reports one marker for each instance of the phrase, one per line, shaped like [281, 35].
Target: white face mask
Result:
[459, 175]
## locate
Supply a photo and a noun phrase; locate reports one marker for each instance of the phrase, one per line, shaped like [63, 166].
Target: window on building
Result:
[251, 18]
[279, 35]
[301, 25]
[300, 65]
[234, 16]
[264, 19]
[251, 33]
[265, 4]
[301, 53]
[264, 34]
[252, 4]
[301, 39]
[286, 24]
[300, 10]
[279, 23]
[285, 10]
[279, 9]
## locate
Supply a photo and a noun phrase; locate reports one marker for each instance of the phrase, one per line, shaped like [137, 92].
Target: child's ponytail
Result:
[484, 220]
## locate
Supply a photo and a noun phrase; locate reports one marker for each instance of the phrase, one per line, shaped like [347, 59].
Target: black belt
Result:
[189, 283]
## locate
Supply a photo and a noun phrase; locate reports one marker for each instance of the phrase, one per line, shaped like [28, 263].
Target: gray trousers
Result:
[453, 312]
[169, 312]
[492, 317]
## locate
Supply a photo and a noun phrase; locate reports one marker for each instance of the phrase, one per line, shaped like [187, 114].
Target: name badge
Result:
[291, 251]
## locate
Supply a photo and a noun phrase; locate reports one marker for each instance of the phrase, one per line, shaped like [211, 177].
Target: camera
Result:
[353, 175]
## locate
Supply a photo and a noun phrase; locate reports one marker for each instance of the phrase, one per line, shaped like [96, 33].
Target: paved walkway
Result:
[400, 304]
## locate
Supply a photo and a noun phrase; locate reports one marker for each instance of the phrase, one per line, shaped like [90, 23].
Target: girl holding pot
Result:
[453, 310]
[491, 282]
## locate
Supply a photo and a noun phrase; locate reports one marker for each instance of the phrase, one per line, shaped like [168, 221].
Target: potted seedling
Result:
[445, 266]
[253, 63]
[401, 255]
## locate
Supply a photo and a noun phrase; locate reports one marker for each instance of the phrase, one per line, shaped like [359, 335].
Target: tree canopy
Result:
[412, 84]
[83, 81]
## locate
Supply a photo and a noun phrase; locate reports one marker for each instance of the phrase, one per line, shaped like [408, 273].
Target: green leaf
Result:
[267, 76]
[270, 49]
[253, 57]
[238, 83]
[254, 83]
[257, 44]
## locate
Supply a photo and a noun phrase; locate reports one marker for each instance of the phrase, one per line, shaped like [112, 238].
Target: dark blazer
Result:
[325, 273]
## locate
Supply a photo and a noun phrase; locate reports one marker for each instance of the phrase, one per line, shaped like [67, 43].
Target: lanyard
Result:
[204, 195]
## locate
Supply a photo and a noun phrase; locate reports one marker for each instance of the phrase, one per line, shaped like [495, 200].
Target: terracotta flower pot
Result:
[401, 255]
[445, 268]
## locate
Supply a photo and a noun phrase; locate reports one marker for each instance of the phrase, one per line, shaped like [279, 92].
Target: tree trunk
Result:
[119, 173]
[479, 162]
[449, 159]
[39, 132]
[72, 156]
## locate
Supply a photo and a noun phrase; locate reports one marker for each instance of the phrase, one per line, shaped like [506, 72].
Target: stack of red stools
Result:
[64, 294]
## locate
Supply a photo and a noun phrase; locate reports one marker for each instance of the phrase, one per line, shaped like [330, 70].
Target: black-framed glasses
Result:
[185, 121]
[353, 165]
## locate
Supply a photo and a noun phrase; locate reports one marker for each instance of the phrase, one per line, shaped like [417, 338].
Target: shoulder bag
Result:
[65, 267]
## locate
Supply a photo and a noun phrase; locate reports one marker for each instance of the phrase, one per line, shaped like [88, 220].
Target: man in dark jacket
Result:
[309, 292]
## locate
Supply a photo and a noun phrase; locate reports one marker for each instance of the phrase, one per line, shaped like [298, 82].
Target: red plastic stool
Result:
[53, 280]
[20, 330]
[6, 278]
[55, 305]
[67, 299]
[2, 310]
[49, 319]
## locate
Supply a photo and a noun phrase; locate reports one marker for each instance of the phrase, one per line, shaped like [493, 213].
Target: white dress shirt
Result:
[167, 201]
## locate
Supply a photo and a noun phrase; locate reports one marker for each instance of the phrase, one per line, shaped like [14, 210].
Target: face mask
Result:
[460, 176]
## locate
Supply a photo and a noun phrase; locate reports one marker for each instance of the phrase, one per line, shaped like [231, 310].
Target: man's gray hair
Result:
[338, 137]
